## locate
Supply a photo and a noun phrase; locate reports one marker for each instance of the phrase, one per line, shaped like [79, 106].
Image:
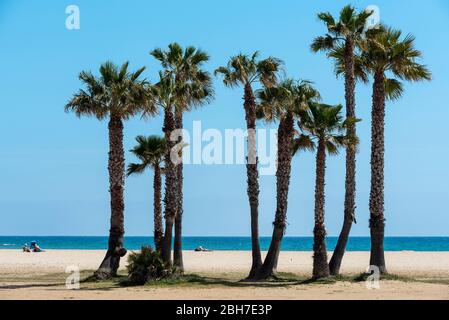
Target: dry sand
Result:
[41, 276]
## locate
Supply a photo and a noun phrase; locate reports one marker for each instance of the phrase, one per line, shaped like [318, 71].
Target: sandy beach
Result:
[420, 275]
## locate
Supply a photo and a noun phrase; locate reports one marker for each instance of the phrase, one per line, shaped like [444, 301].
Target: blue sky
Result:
[54, 166]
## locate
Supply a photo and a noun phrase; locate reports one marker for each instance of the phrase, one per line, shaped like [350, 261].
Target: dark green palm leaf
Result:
[302, 143]
[150, 151]
[115, 91]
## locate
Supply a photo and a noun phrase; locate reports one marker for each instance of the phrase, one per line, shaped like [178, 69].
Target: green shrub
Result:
[147, 265]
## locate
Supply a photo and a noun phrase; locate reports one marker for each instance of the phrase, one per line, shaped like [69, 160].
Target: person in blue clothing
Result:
[34, 247]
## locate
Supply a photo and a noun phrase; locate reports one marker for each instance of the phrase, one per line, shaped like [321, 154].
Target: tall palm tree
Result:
[118, 95]
[283, 103]
[164, 96]
[341, 42]
[322, 124]
[386, 53]
[151, 151]
[194, 89]
[247, 70]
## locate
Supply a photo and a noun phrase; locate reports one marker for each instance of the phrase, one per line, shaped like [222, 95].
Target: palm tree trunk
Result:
[252, 180]
[116, 168]
[320, 265]
[158, 227]
[177, 254]
[350, 182]
[376, 201]
[285, 137]
[170, 188]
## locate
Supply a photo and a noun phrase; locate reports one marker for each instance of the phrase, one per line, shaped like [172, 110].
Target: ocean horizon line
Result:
[225, 236]
[238, 243]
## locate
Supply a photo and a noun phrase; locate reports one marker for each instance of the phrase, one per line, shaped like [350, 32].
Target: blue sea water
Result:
[229, 243]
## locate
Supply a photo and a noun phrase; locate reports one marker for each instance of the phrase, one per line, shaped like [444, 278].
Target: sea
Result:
[226, 243]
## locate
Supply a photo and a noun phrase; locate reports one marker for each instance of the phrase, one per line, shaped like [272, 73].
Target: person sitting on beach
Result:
[25, 248]
[200, 248]
[35, 247]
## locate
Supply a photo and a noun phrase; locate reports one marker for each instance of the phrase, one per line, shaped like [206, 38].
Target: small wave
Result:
[7, 244]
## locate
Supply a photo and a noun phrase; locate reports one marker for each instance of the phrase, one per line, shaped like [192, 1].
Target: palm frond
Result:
[350, 121]
[393, 89]
[114, 92]
[135, 168]
[123, 71]
[331, 148]
[323, 43]
[347, 15]
[150, 151]
[190, 85]
[267, 70]
[338, 55]
[244, 69]
[302, 143]
[327, 18]
[385, 52]
[324, 123]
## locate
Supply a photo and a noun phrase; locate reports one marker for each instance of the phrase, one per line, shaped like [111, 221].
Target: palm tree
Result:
[341, 42]
[151, 151]
[116, 94]
[385, 53]
[322, 124]
[164, 96]
[194, 89]
[246, 71]
[283, 102]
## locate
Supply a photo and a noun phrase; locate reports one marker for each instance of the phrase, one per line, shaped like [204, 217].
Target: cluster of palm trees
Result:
[304, 123]
[118, 94]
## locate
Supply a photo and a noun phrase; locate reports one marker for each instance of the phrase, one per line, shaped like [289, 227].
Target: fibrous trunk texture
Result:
[252, 179]
[157, 205]
[170, 188]
[285, 137]
[376, 201]
[350, 182]
[177, 254]
[320, 265]
[116, 168]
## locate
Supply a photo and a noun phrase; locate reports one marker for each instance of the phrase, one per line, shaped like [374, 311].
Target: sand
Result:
[424, 275]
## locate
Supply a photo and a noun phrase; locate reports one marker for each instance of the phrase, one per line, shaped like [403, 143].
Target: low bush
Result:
[147, 265]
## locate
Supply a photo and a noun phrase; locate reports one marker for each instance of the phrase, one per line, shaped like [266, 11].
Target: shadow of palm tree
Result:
[29, 285]
[194, 279]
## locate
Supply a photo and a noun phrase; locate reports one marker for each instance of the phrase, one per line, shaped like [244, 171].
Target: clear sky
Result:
[53, 176]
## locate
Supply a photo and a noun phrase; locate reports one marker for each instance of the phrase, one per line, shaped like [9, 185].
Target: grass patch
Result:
[213, 280]
[89, 281]
[392, 277]
[193, 280]
[328, 280]
[235, 280]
